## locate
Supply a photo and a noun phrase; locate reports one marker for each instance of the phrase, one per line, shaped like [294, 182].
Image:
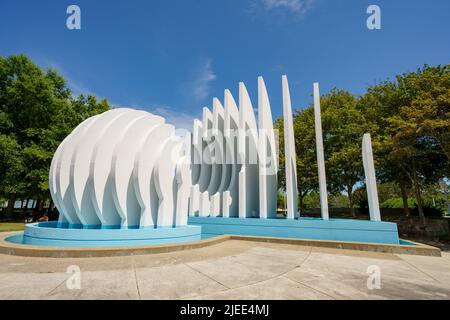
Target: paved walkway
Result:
[230, 270]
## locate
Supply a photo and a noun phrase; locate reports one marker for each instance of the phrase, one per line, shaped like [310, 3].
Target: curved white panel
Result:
[122, 167]
[371, 180]
[165, 181]
[216, 147]
[227, 201]
[80, 168]
[205, 205]
[206, 167]
[63, 166]
[184, 182]
[268, 165]
[52, 181]
[248, 157]
[290, 156]
[215, 205]
[194, 201]
[207, 123]
[320, 154]
[196, 150]
[230, 181]
[143, 176]
[100, 167]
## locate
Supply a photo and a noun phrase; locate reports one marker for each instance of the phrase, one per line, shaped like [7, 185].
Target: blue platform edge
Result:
[48, 234]
[302, 228]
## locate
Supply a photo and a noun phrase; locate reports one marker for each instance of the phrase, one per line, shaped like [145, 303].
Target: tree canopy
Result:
[409, 120]
[37, 111]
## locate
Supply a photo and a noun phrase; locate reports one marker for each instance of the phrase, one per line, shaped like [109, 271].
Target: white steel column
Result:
[290, 156]
[320, 154]
[371, 182]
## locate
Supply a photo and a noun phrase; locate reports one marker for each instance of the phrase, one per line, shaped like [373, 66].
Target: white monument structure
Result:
[121, 168]
[127, 169]
[289, 153]
[371, 182]
[320, 155]
[234, 161]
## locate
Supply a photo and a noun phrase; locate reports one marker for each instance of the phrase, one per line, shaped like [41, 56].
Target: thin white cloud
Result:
[182, 121]
[300, 7]
[201, 86]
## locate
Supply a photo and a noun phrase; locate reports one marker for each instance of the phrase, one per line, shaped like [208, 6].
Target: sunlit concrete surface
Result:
[230, 270]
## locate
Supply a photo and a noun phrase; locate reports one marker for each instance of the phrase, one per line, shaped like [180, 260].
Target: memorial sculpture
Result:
[234, 160]
[371, 182]
[123, 168]
[125, 178]
[320, 155]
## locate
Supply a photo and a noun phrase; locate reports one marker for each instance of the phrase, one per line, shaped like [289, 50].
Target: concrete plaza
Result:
[230, 270]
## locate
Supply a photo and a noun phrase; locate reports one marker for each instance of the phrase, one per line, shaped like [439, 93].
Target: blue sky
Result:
[172, 57]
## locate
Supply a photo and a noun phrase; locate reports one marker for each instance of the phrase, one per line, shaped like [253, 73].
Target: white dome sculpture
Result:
[121, 169]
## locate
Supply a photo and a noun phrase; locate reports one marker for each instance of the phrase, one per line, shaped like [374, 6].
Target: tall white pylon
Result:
[289, 151]
[320, 154]
[371, 182]
[248, 156]
[268, 164]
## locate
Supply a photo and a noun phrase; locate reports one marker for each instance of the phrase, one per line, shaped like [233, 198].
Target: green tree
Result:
[413, 117]
[305, 145]
[379, 104]
[344, 125]
[11, 167]
[37, 111]
[426, 112]
[409, 120]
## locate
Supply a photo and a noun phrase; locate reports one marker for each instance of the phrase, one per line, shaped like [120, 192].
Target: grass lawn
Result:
[11, 226]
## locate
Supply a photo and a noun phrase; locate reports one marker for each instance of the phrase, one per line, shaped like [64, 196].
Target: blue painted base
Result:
[49, 234]
[303, 228]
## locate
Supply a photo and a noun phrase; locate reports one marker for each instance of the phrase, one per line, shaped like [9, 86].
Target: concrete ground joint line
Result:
[286, 272]
[306, 258]
[296, 267]
[256, 282]
[203, 274]
[308, 286]
[417, 268]
[239, 287]
[275, 276]
[271, 278]
[54, 289]
[136, 279]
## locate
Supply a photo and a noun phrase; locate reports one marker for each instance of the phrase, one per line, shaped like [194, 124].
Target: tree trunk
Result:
[350, 200]
[404, 197]
[10, 208]
[38, 207]
[419, 203]
[418, 194]
[50, 207]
